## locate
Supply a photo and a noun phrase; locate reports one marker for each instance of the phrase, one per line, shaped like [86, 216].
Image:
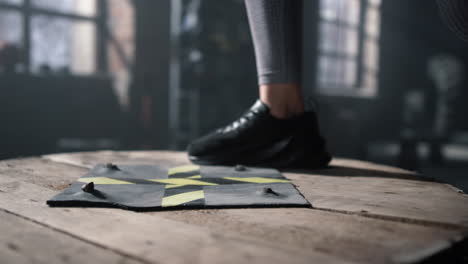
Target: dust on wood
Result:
[348, 186]
[290, 235]
[27, 242]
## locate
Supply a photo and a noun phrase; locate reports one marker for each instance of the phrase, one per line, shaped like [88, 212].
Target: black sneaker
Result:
[305, 148]
[259, 139]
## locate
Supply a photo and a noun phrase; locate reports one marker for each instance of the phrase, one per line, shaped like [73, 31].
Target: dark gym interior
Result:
[387, 77]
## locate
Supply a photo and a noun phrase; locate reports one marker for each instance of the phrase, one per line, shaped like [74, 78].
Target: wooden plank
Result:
[348, 186]
[254, 235]
[89, 159]
[23, 241]
[52, 175]
[424, 202]
[149, 237]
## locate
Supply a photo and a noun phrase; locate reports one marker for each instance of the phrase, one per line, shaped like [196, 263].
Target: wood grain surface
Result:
[363, 213]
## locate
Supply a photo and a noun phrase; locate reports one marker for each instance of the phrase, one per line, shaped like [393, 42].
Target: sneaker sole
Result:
[282, 154]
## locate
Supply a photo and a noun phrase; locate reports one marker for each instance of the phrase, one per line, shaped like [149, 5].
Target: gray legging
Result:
[276, 27]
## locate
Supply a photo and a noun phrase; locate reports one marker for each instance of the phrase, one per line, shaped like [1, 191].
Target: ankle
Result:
[284, 100]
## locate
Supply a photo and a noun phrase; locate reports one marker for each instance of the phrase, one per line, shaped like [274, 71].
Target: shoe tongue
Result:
[260, 107]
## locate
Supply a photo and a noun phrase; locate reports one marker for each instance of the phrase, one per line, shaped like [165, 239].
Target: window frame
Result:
[359, 89]
[27, 10]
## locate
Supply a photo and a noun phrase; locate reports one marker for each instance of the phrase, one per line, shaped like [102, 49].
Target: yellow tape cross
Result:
[182, 169]
[192, 178]
[182, 181]
[172, 182]
[169, 186]
[182, 198]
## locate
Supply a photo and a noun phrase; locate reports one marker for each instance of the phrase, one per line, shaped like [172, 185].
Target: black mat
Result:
[147, 187]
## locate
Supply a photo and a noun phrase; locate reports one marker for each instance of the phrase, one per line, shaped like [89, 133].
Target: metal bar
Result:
[310, 47]
[194, 91]
[102, 36]
[362, 35]
[174, 72]
[27, 36]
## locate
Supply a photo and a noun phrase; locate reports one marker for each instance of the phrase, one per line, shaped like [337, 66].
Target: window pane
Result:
[375, 2]
[81, 7]
[346, 11]
[349, 42]
[329, 9]
[371, 54]
[83, 48]
[337, 72]
[349, 74]
[342, 72]
[327, 70]
[50, 43]
[16, 2]
[373, 21]
[11, 54]
[62, 45]
[370, 81]
[323, 68]
[329, 37]
[10, 28]
[338, 39]
[350, 11]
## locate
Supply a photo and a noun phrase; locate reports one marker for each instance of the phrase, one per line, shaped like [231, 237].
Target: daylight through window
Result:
[348, 47]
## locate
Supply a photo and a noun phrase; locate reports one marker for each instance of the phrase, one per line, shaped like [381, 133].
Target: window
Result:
[10, 27]
[348, 47]
[53, 36]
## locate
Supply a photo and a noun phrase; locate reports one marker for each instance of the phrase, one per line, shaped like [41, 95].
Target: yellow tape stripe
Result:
[182, 181]
[182, 198]
[102, 180]
[255, 179]
[185, 168]
[195, 177]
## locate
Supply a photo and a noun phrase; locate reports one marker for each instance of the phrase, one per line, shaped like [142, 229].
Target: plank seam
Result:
[427, 223]
[65, 162]
[116, 251]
